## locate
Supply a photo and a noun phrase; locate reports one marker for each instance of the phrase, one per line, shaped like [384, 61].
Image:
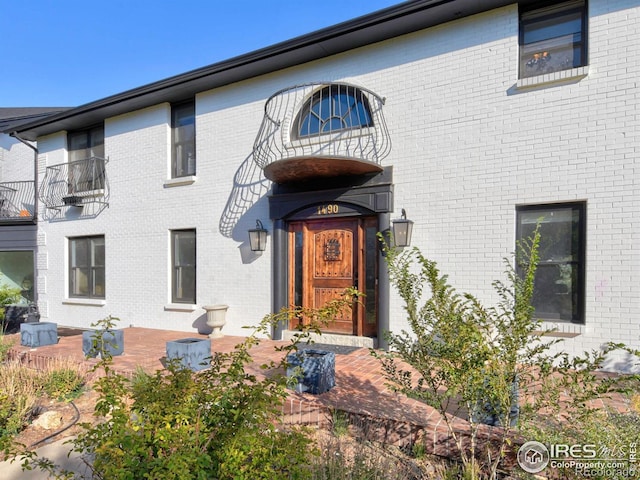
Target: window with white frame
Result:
[183, 140]
[183, 261]
[553, 37]
[559, 283]
[87, 267]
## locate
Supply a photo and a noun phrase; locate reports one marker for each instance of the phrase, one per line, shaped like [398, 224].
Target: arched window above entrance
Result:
[331, 109]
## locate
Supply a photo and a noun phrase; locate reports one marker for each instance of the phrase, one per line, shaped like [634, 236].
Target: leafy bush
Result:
[475, 362]
[63, 384]
[217, 423]
[7, 296]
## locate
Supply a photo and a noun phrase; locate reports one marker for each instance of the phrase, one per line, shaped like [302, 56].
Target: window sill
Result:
[91, 302]
[180, 181]
[180, 307]
[563, 329]
[563, 76]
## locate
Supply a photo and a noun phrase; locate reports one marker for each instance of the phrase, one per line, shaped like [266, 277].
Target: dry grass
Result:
[23, 389]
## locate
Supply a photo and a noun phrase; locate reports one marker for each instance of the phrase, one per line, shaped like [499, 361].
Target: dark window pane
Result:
[370, 271]
[17, 272]
[553, 38]
[183, 139]
[333, 109]
[184, 266]
[298, 269]
[79, 253]
[559, 283]
[87, 267]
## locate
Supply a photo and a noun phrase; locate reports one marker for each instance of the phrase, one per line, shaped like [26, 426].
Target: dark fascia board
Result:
[401, 19]
[11, 117]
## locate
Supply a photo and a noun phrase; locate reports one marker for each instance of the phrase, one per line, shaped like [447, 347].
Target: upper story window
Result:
[332, 109]
[553, 38]
[85, 144]
[86, 160]
[183, 139]
[559, 289]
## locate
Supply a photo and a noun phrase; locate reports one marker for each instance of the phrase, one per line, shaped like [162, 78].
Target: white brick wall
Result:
[16, 160]
[468, 146]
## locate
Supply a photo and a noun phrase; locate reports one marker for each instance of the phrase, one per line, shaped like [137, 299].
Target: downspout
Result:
[35, 173]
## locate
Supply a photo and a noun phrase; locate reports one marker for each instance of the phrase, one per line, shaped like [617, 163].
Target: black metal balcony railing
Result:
[17, 200]
[75, 183]
[313, 127]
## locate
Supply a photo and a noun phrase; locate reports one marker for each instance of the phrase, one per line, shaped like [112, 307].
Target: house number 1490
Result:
[330, 209]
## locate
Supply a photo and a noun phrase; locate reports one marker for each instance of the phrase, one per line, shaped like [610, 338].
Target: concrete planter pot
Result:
[318, 370]
[193, 353]
[216, 319]
[103, 343]
[38, 334]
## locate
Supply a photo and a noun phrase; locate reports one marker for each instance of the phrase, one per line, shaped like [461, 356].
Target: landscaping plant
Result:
[222, 422]
[7, 296]
[478, 363]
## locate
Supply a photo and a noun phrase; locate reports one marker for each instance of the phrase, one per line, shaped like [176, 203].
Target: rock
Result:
[48, 420]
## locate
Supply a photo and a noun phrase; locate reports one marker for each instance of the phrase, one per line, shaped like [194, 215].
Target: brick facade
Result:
[470, 143]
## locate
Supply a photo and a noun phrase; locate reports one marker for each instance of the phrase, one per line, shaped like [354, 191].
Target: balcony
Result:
[321, 130]
[75, 184]
[17, 201]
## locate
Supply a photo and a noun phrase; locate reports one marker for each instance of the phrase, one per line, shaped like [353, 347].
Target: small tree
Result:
[471, 361]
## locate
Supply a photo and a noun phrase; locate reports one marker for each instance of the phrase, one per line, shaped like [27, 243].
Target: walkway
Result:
[360, 387]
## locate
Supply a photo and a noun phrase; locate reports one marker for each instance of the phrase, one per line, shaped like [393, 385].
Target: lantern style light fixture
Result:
[258, 238]
[402, 230]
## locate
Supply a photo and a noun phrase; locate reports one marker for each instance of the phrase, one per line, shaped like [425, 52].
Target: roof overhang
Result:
[382, 25]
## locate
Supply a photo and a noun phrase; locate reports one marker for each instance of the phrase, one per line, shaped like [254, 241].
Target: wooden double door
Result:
[326, 256]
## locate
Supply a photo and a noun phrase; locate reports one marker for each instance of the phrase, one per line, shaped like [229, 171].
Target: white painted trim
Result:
[91, 302]
[181, 307]
[180, 181]
[555, 77]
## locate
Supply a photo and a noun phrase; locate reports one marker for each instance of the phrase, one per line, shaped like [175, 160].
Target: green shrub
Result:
[476, 362]
[63, 384]
[7, 296]
[217, 423]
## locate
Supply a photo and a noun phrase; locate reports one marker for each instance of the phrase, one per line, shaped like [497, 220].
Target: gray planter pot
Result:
[318, 370]
[103, 343]
[193, 353]
[38, 334]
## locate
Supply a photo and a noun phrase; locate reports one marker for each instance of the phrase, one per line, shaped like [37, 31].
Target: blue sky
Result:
[58, 53]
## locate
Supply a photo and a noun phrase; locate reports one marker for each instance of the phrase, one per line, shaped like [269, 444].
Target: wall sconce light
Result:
[258, 238]
[402, 230]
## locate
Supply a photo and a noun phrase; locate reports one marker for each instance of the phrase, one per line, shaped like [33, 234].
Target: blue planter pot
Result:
[104, 342]
[193, 353]
[318, 370]
[38, 334]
